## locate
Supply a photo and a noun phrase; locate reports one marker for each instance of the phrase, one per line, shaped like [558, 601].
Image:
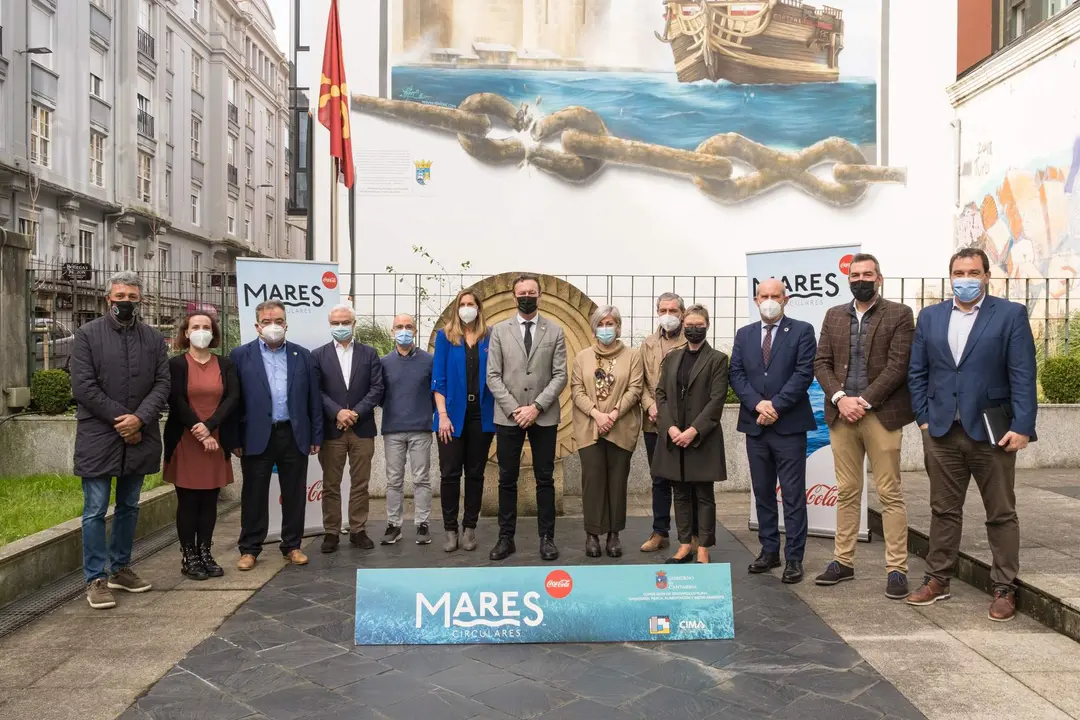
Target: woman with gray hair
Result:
[606, 385]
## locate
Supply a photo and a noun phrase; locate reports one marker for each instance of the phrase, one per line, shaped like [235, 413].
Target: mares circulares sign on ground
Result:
[307, 290]
[452, 606]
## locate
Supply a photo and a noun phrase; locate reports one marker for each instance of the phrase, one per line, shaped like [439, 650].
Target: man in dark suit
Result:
[862, 368]
[972, 353]
[280, 424]
[351, 386]
[772, 366]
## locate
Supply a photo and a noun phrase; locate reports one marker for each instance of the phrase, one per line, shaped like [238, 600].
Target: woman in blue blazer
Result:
[465, 416]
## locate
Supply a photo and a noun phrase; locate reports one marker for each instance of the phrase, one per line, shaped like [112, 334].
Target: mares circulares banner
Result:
[816, 280]
[308, 290]
[450, 606]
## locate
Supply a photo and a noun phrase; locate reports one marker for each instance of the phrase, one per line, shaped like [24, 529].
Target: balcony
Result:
[234, 115]
[147, 46]
[146, 124]
[234, 175]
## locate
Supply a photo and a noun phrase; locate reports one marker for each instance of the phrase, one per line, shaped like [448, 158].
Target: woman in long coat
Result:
[690, 452]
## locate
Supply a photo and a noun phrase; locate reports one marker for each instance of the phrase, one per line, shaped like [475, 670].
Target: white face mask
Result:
[200, 339]
[272, 334]
[670, 323]
[770, 309]
[467, 313]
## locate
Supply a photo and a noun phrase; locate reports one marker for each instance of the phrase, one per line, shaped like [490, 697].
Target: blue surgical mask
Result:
[341, 333]
[606, 335]
[404, 338]
[967, 289]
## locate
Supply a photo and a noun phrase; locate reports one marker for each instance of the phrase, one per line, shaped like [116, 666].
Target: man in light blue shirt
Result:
[277, 374]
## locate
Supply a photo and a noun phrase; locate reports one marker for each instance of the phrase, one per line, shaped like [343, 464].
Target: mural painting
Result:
[739, 96]
[1028, 222]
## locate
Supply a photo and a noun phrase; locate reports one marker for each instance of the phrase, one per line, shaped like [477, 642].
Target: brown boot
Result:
[654, 543]
[296, 557]
[1003, 609]
[931, 591]
[246, 562]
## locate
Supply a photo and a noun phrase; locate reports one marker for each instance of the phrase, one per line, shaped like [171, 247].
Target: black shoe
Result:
[423, 537]
[211, 566]
[548, 551]
[330, 542]
[361, 540]
[502, 550]
[834, 574]
[614, 546]
[896, 588]
[690, 557]
[391, 536]
[764, 562]
[592, 545]
[191, 564]
[793, 572]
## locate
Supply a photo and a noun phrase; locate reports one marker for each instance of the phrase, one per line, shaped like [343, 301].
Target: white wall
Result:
[641, 224]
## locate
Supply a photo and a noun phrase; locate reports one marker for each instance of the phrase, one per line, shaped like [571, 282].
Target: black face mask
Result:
[526, 305]
[123, 310]
[695, 335]
[863, 290]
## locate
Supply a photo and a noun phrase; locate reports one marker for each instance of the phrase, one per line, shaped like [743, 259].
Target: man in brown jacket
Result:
[668, 337]
[861, 364]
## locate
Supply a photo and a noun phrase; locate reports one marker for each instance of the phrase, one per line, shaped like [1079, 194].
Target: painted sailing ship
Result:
[769, 41]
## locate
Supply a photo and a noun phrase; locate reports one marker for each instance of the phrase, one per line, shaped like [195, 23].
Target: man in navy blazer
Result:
[772, 367]
[351, 386]
[972, 353]
[280, 424]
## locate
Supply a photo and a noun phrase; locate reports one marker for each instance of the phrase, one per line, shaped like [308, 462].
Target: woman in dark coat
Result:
[199, 435]
[690, 398]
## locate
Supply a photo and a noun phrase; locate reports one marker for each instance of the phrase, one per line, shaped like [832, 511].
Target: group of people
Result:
[275, 405]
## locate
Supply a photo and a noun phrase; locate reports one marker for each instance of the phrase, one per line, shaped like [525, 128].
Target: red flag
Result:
[334, 97]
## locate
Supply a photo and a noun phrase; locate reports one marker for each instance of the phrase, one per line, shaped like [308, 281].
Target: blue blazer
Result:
[997, 368]
[449, 380]
[364, 393]
[256, 406]
[785, 380]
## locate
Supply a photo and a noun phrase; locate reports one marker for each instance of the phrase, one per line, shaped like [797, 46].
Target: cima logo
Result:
[659, 625]
[558, 584]
[486, 609]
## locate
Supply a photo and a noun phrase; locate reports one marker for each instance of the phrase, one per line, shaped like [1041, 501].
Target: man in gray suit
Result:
[526, 371]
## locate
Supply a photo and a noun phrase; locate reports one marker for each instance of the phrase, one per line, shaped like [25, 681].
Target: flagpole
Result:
[352, 243]
[333, 209]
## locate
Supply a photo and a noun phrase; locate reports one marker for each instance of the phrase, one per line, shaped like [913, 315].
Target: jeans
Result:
[95, 505]
[414, 447]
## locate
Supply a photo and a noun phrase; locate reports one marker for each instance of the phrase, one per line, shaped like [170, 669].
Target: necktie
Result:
[528, 337]
[766, 345]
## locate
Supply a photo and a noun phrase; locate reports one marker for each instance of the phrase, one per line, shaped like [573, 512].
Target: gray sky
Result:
[280, 9]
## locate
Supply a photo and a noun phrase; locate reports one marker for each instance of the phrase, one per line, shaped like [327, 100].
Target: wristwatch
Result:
[539, 407]
[837, 395]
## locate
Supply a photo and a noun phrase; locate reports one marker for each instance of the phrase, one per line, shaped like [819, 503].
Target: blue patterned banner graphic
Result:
[449, 606]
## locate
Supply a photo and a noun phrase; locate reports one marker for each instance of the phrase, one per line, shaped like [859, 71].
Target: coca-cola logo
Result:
[314, 492]
[558, 584]
[821, 495]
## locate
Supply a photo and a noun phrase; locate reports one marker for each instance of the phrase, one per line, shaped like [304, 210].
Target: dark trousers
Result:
[468, 453]
[775, 457]
[196, 515]
[292, 468]
[690, 497]
[661, 495]
[511, 441]
[951, 461]
[605, 469]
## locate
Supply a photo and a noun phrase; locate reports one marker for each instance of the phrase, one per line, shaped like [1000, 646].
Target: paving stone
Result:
[886, 698]
[672, 704]
[254, 682]
[552, 668]
[843, 686]
[302, 652]
[350, 711]
[211, 708]
[503, 656]
[588, 710]
[426, 661]
[816, 706]
[295, 702]
[218, 666]
[272, 603]
[341, 670]
[706, 651]
[384, 689]
[524, 698]
[313, 616]
[686, 675]
[829, 654]
[263, 635]
[438, 703]
[628, 659]
[210, 646]
[755, 693]
[608, 687]
[341, 632]
[471, 677]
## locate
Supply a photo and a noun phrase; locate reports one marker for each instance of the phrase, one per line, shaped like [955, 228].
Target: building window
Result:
[127, 257]
[196, 266]
[269, 178]
[1017, 20]
[249, 160]
[232, 89]
[146, 173]
[97, 159]
[86, 246]
[232, 217]
[196, 134]
[247, 223]
[42, 32]
[249, 105]
[168, 192]
[165, 261]
[195, 202]
[230, 150]
[269, 229]
[196, 73]
[144, 16]
[41, 137]
[30, 228]
[196, 11]
[97, 73]
[269, 126]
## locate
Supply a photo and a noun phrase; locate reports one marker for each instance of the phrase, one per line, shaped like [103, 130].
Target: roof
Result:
[493, 47]
[538, 55]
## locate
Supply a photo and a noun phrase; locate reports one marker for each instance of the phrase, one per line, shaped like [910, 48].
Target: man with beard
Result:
[861, 364]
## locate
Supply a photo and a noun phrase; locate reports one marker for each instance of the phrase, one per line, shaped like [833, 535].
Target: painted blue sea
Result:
[656, 108]
[819, 438]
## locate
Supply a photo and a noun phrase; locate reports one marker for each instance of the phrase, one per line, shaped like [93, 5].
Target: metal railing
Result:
[147, 44]
[145, 124]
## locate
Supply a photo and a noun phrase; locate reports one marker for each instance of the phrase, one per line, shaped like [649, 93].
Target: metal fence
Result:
[59, 305]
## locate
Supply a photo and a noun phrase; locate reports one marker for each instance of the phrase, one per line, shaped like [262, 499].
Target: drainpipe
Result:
[106, 217]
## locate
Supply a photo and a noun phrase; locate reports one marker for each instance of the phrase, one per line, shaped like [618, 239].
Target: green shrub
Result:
[373, 334]
[50, 391]
[1060, 378]
[732, 398]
